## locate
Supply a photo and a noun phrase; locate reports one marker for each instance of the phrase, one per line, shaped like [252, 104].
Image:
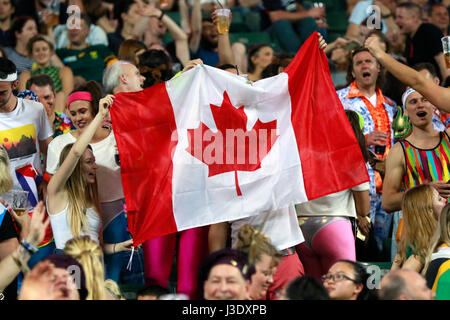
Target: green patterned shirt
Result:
[51, 71]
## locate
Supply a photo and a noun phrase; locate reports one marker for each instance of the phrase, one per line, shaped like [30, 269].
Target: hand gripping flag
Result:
[208, 147]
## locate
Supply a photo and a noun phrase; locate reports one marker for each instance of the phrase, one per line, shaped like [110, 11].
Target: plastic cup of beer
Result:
[18, 201]
[446, 49]
[223, 20]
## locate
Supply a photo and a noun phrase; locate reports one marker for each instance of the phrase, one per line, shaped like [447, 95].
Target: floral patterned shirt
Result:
[61, 124]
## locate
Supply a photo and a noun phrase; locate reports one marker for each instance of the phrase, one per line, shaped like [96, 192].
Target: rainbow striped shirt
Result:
[426, 165]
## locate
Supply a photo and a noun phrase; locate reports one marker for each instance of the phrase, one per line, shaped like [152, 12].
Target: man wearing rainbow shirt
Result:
[422, 157]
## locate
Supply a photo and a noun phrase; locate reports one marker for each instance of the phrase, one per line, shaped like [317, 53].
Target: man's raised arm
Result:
[437, 95]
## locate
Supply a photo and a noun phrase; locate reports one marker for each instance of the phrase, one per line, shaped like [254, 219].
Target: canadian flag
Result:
[207, 146]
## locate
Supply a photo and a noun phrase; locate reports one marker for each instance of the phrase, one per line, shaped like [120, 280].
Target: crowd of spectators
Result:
[62, 62]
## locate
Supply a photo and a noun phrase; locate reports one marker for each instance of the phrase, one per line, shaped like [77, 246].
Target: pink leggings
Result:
[159, 254]
[330, 243]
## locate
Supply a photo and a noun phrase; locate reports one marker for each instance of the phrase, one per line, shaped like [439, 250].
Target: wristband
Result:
[46, 177]
[29, 247]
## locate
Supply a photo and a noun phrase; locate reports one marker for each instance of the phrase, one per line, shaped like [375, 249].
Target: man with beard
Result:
[206, 49]
[364, 96]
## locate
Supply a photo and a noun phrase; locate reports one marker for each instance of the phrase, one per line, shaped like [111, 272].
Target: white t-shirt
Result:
[336, 204]
[281, 227]
[20, 133]
[373, 100]
[108, 173]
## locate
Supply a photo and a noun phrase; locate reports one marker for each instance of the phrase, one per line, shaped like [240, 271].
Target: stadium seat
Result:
[238, 24]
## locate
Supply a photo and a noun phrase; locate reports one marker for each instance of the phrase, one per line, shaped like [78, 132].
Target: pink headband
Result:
[79, 95]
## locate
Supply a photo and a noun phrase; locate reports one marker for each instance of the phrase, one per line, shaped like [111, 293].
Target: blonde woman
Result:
[263, 255]
[421, 206]
[72, 200]
[89, 254]
[437, 261]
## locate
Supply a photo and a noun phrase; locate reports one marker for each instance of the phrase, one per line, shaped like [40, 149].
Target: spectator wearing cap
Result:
[224, 275]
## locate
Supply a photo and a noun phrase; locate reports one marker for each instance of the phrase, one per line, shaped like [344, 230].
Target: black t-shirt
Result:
[8, 231]
[274, 5]
[7, 228]
[5, 38]
[424, 46]
[114, 41]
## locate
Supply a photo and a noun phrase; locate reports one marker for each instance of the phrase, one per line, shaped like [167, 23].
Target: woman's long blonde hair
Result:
[81, 195]
[419, 221]
[441, 236]
[6, 180]
[90, 255]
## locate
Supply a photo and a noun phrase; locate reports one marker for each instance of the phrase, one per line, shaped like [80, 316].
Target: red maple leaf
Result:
[231, 147]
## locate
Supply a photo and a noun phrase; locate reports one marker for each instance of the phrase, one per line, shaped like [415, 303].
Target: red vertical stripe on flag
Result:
[146, 168]
[328, 149]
